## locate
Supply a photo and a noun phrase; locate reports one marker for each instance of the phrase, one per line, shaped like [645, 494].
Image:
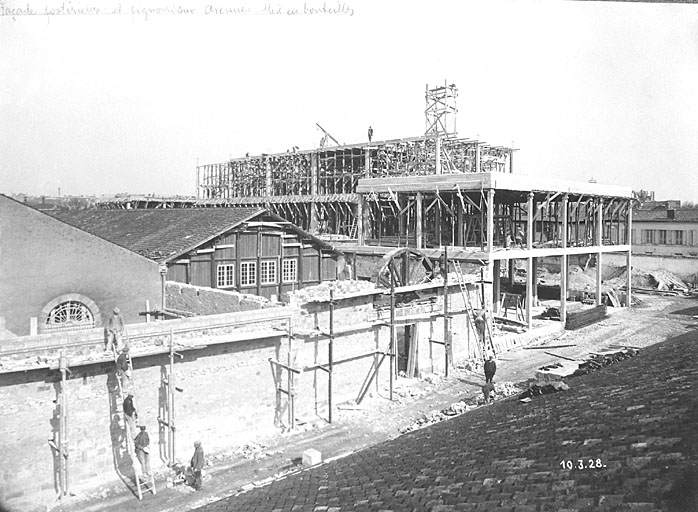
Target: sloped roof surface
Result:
[158, 234]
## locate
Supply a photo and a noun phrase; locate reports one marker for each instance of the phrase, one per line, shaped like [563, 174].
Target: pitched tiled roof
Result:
[158, 234]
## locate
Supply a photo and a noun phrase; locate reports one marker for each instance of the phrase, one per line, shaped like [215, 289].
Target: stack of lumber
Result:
[607, 357]
[577, 319]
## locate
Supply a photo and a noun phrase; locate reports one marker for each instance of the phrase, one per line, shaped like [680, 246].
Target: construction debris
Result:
[501, 390]
[321, 292]
[605, 358]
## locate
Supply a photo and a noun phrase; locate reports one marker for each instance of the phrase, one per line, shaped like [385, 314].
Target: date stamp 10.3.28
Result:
[582, 464]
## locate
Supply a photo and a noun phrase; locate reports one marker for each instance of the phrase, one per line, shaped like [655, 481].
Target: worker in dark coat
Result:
[370, 133]
[197, 464]
[142, 444]
[130, 414]
[490, 368]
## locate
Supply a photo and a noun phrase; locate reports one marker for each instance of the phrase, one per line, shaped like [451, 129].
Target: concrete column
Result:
[418, 221]
[512, 270]
[496, 285]
[564, 263]
[511, 161]
[529, 260]
[477, 157]
[401, 224]
[359, 211]
[460, 235]
[367, 164]
[628, 264]
[490, 220]
[534, 271]
[599, 259]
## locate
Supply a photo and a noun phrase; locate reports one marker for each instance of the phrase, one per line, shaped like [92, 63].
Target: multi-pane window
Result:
[70, 315]
[267, 272]
[647, 236]
[289, 270]
[662, 236]
[678, 237]
[226, 275]
[248, 273]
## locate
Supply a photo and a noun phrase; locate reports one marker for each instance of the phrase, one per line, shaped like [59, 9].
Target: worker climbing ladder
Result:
[483, 344]
[144, 482]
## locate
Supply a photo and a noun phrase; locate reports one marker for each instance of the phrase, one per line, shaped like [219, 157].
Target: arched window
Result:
[69, 315]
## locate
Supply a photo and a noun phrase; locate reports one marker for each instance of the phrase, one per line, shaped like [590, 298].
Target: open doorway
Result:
[406, 350]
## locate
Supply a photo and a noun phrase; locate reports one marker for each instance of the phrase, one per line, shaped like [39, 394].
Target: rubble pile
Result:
[252, 451]
[537, 388]
[501, 390]
[322, 291]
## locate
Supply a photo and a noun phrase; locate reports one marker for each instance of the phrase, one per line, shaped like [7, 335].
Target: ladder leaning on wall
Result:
[142, 484]
[483, 344]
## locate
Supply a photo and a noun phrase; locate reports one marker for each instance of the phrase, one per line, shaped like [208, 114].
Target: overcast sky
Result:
[103, 104]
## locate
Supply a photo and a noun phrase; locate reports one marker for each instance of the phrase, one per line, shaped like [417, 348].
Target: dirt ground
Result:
[377, 419]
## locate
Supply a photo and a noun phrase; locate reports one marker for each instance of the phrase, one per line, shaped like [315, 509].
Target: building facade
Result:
[54, 277]
[248, 250]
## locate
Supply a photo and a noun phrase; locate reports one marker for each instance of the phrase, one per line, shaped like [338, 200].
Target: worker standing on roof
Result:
[115, 330]
[123, 370]
[370, 133]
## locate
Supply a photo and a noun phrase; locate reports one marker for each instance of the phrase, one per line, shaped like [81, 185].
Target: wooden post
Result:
[392, 325]
[330, 355]
[437, 155]
[63, 427]
[496, 284]
[599, 237]
[447, 331]
[534, 282]
[418, 222]
[529, 261]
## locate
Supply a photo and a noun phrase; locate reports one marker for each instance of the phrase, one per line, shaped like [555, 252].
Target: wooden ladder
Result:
[482, 344]
[142, 484]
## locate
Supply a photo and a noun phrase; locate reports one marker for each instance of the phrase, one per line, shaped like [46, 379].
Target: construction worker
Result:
[490, 368]
[520, 238]
[130, 414]
[370, 133]
[142, 444]
[123, 369]
[488, 392]
[115, 329]
[481, 324]
[197, 464]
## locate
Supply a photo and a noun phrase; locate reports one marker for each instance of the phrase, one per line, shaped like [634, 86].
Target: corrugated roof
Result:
[158, 234]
